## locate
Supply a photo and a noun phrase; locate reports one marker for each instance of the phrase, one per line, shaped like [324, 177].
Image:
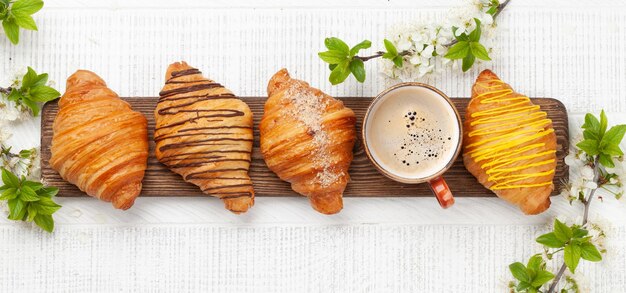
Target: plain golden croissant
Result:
[307, 139]
[204, 133]
[99, 143]
[509, 144]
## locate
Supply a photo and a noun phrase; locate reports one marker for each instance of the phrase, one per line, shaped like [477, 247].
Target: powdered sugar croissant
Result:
[509, 144]
[204, 133]
[99, 143]
[307, 139]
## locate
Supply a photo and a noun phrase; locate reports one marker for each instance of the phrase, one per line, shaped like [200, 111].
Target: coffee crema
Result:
[412, 132]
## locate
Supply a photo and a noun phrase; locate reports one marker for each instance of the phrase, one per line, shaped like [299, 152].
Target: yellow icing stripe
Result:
[500, 187]
[510, 122]
[515, 178]
[516, 125]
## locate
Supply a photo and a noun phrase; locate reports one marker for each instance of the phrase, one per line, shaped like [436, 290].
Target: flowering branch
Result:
[418, 49]
[599, 159]
[587, 204]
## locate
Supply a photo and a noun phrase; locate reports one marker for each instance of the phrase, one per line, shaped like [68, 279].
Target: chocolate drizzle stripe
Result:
[189, 89]
[227, 186]
[189, 71]
[206, 153]
[199, 143]
[192, 175]
[198, 164]
[160, 138]
[214, 127]
[224, 96]
[197, 118]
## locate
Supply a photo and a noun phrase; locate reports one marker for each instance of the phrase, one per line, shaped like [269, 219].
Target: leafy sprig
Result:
[574, 241]
[600, 142]
[16, 14]
[29, 200]
[530, 277]
[32, 91]
[468, 47]
[598, 150]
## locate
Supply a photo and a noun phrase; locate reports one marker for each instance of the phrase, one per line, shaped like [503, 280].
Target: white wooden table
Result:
[572, 51]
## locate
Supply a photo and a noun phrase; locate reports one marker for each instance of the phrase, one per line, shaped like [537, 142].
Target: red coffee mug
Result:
[435, 180]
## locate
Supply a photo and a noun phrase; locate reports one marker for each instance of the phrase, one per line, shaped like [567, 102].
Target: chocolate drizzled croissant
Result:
[204, 133]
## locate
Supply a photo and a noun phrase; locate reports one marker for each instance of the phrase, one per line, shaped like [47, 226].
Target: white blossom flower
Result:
[426, 43]
[587, 172]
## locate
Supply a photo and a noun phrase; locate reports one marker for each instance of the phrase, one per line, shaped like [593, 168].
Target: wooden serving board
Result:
[366, 180]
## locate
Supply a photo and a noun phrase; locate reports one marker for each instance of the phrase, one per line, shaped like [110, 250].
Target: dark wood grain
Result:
[366, 180]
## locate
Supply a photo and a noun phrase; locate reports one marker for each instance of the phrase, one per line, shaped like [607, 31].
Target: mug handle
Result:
[442, 192]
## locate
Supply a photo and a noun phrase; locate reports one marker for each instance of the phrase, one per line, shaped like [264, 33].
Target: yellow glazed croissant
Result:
[307, 139]
[99, 143]
[204, 133]
[509, 144]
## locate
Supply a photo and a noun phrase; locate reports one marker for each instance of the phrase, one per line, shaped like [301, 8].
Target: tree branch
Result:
[587, 203]
[5, 91]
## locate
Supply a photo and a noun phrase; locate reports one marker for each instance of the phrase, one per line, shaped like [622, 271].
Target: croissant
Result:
[204, 133]
[99, 143]
[307, 139]
[509, 144]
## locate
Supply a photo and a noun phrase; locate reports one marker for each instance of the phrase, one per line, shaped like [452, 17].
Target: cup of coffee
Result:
[412, 133]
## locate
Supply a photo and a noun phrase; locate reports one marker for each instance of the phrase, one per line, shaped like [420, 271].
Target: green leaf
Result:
[46, 206]
[458, 51]
[479, 51]
[17, 209]
[362, 45]
[9, 193]
[603, 123]
[25, 21]
[572, 254]
[474, 36]
[589, 252]
[9, 179]
[28, 194]
[606, 161]
[579, 232]
[468, 61]
[48, 192]
[523, 286]
[12, 30]
[541, 278]
[32, 105]
[333, 56]
[45, 222]
[44, 209]
[492, 10]
[592, 124]
[612, 149]
[340, 73]
[535, 262]
[27, 7]
[589, 146]
[614, 135]
[391, 49]
[519, 271]
[43, 93]
[332, 66]
[29, 78]
[337, 45]
[15, 96]
[358, 69]
[550, 240]
[32, 212]
[561, 231]
[398, 61]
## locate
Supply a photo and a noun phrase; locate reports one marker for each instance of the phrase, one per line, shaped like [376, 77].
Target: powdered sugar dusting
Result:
[309, 108]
